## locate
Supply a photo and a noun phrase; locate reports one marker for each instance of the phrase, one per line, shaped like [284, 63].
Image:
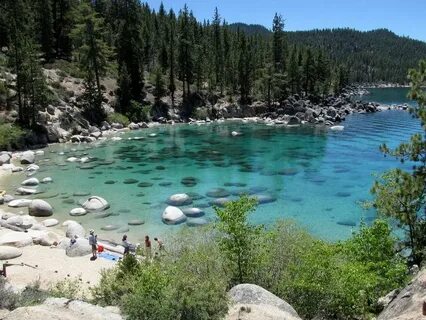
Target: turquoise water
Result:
[388, 96]
[316, 176]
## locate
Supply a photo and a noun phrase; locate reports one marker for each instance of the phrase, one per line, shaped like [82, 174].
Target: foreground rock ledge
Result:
[64, 309]
[251, 302]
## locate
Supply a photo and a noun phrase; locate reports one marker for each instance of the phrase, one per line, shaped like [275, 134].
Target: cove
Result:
[312, 175]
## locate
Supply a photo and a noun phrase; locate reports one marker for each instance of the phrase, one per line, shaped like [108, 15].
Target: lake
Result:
[313, 175]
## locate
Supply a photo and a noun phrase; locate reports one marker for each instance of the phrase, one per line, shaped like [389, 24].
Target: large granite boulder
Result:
[252, 302]
[173, 215]
[40, 208]
[7, 253]
[16, 239]
[27, 157]
[95, 203]
[5, 158]
[79, 248]
[64, 309]
[74, 229]
[408, 303]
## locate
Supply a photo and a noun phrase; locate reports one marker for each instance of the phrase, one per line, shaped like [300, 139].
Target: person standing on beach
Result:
[126, 245]
[160, 244]
[147, 247]
[93, 241]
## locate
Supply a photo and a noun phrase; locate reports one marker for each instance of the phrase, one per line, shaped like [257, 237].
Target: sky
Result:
[404, 17]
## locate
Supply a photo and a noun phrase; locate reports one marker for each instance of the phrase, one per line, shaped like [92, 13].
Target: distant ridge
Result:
[372, 56]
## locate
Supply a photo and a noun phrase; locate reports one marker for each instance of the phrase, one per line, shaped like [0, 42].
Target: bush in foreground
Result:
[329, 280]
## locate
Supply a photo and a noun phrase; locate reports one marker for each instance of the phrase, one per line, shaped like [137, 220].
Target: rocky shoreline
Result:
[65, 123]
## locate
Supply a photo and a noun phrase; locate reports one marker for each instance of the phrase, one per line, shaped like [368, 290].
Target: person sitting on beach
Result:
[147, 247]
[160, 244]
[93, 241]
[125, 244]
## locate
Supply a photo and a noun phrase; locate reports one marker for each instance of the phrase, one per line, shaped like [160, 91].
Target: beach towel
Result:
[109, 256]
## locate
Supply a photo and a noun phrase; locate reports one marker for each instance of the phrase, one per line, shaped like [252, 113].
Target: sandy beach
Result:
[50, 264]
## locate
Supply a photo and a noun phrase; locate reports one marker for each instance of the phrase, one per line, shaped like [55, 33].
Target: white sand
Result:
[52, 263]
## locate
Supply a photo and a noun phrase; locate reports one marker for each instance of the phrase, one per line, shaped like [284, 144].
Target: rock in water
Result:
[337, 128]
[173, 215]
[78, 212]
[180, 199]
[28, 157]
[30, 182]
[40, 208]
[193, 212]
[7, 253]
[95, 203]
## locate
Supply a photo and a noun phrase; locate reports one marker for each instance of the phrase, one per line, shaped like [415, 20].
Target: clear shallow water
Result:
[317, 176]
[388, 96]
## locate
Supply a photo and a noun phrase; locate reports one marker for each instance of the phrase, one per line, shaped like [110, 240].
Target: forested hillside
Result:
[166, 53]
[372, 56]
[378, 55]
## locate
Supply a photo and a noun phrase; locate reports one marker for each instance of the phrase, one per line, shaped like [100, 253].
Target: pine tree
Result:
[185, 50]
[278, 43]
[172, 41]
[129, 54]
[218, 51]
[245, 69]
[159, 90]
[24, 58]
[92, 53]
[44, 21]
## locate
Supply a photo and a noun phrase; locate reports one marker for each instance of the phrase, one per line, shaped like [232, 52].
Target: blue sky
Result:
[404, 17]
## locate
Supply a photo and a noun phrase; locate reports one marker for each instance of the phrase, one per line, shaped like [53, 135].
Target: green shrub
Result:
[9, 135]
[138, 112]
[67, 288]
[344, 280]
[186, 284]
[118, 118]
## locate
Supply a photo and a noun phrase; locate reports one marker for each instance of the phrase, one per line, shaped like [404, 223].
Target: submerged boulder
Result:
[180, 199]
[95, 203]
[40, 208]
[173, 215]
[31, 182]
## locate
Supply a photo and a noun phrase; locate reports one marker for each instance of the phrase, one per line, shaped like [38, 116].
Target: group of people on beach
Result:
[93, 242]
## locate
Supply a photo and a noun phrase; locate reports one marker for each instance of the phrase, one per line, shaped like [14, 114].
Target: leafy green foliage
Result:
[67, 288]
[184, 284]
[401, 194]
[345, 280]
[238, 237]
[118, 118]
[10, 135]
